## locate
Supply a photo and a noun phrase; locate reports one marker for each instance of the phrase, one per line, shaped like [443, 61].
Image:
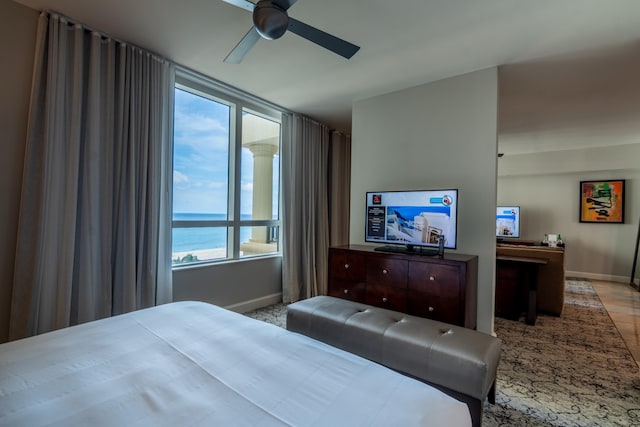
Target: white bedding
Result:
[191, 364]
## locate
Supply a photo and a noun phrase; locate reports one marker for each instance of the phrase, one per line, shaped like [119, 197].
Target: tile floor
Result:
[623, 305]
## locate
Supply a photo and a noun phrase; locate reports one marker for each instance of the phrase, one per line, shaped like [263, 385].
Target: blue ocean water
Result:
[189, 239]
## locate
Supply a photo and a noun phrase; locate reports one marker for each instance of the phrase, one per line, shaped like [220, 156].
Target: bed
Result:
[192, 363]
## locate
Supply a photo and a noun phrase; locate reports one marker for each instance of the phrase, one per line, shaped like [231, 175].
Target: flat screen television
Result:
[412, 220]
[507, 222]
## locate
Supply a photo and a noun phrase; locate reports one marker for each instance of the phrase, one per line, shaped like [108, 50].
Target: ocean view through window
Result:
[226, 176]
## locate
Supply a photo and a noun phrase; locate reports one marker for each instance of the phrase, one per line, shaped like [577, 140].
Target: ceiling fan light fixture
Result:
[270, 20]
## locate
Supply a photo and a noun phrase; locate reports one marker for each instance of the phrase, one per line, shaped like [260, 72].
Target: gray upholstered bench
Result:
[459, 361]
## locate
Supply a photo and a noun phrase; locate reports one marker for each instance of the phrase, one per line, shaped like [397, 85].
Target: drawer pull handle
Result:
[431, 308]
[346, 291]
[346, 266]
[432, 278]
[385, 271]
[384, 299]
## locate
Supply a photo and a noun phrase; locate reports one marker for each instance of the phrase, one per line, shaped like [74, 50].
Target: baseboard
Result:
[596, 276]
[254, 304]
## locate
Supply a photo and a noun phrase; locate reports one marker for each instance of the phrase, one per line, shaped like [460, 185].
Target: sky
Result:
[201, 152]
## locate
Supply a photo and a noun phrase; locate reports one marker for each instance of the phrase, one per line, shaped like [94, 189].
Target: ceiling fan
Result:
[271, 21]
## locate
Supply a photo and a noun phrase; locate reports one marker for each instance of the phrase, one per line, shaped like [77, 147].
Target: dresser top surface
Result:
[448, 256]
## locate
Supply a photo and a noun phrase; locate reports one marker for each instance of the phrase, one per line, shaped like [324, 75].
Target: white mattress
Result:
[191, 364]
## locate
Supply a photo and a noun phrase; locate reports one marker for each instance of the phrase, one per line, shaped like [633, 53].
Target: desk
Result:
[516, 286]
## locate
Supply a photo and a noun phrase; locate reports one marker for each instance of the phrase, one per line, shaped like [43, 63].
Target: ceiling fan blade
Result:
[326, 40]
[243, 47]
[243, 4]
[284, 4]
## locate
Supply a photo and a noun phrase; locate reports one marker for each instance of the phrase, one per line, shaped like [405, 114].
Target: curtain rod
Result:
[231, 90]
[225, 87]
[102, 34]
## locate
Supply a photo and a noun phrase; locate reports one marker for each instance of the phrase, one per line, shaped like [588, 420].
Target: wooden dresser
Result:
[443, 289]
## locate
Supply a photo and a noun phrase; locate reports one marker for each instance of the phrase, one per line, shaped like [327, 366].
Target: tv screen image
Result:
[508, 221]
[412, 218]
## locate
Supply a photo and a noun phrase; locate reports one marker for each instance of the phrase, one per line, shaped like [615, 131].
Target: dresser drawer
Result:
[387, 272]
[347, 265]
[346, 289]
[388, 297]
[434, 279]
[434, 291]
[436, 307]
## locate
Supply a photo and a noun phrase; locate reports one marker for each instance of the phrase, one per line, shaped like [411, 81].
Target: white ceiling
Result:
[404, 43]
[571, 102]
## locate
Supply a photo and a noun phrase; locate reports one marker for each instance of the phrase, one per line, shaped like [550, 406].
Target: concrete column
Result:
[262, 138]
[263, 152]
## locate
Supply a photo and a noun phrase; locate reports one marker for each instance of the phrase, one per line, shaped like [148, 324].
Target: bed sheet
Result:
[195, 364]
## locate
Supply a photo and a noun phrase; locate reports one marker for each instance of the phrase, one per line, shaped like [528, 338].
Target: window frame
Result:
[238, 102]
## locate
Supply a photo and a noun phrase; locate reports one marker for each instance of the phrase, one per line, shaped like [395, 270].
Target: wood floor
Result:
[623, 305]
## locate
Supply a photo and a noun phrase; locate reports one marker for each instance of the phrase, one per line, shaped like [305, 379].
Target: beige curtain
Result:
[314, 160]
[95, 208]
[339, 188]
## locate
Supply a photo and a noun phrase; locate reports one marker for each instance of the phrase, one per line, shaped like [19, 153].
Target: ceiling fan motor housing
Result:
[270, 20]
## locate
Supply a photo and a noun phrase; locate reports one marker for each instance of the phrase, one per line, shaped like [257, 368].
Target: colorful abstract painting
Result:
[602, 201]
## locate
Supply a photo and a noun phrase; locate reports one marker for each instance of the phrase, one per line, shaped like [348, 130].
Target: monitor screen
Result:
[508, 221]
[412, 218]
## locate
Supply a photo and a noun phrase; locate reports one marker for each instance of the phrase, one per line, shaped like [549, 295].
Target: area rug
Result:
[573, 370]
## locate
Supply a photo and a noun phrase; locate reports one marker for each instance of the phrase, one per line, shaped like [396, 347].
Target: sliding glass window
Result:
[226, 175]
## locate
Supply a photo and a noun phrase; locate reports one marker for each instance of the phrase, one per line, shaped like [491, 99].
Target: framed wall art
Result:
[602, 201]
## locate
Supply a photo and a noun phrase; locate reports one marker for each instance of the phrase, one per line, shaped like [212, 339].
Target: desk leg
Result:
[532, 294]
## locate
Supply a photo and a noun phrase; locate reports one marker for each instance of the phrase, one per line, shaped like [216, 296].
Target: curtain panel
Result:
[96, 200]
[316, 181]
[339, 188]
[305, 208]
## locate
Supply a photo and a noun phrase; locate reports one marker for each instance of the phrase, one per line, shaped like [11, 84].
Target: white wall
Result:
[237, 285]
[438, 135]
[546, 186]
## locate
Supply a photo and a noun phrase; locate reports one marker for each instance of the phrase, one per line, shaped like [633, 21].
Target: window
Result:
[226, 175]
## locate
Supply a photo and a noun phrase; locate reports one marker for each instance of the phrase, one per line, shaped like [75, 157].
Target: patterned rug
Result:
[573, 370]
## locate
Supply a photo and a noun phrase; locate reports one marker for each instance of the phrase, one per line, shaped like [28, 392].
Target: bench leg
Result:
[475, 409]
[492, 393]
